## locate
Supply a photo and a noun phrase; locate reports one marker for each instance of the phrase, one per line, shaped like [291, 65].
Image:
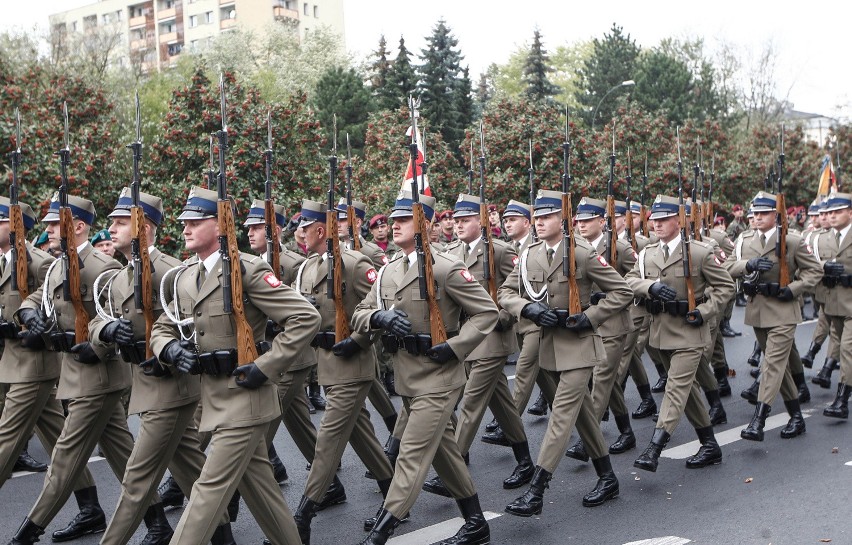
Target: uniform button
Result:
[126, 311]
[198, 313]
[201, 333]
[316, 291]
[399, 297]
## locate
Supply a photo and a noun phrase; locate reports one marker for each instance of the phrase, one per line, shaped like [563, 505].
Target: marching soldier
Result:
[678, 333]
[570, 346]
[346, 369]
[380, 229]
[824, 246]
[429, 377]
[239, 401]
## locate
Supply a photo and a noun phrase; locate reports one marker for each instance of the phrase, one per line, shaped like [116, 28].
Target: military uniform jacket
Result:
[838, 301]
[709, 278]
[20, 364]
[562, 349]
[620, 323]
[523, 325]
[358, 277]
[824, 247]
[805, 272]
[498, 343]
[227, 405]
[149, 393]
[376, 254]
[456, 291]
[290, 262]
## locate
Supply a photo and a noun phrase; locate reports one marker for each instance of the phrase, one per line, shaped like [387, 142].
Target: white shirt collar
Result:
[412, 259]
[672, 244]
[844, 231]
[472, 244]
[554, 248]
[81, 247]
[598, 240]
[522, 241]
[211, 261]
[768, 233]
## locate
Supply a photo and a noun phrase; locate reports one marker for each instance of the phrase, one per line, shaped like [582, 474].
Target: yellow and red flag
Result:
[827, 178]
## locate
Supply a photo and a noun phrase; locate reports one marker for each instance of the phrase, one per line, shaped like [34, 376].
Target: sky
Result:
[812, 69]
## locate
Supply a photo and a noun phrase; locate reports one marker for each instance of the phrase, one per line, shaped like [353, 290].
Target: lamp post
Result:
[627, 83]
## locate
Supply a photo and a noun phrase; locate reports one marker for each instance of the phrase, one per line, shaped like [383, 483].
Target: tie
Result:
[665, 252]
[3, 263]
[202, 275]
[550, 252]
[405, 265]
[763, 240]
[837, 237]
[516, 246]
[466, 248]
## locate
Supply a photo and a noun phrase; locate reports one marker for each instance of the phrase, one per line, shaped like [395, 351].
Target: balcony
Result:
[165, 14]
[141, 43]
[227, 24]
[223, 3]
[168, 37]
[281, 13]
[137, 21]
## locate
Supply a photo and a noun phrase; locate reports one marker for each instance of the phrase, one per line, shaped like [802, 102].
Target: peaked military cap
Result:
[360, 209]
[26, 212]
[589, 208]
[81, 208]
[664, 207]
[838, 201]
[517, 208]
[466, 205]
[152, 206]
[763, 202]
[402, 208]
[312, 212]
[257, 214]
[547, 202]
[201, 204]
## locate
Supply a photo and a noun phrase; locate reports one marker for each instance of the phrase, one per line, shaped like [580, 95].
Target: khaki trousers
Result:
[775, 369]
[682, 395]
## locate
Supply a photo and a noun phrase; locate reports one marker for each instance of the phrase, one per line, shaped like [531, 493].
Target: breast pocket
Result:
[219, 322]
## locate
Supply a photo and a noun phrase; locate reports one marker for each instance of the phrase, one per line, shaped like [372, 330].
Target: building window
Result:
[316, 11]
[193, 21]
[305, 9]
[193, 45]
[208, 17]
[73, 26]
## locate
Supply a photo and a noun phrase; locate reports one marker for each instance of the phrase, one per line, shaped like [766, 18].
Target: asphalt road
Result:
[780, 491]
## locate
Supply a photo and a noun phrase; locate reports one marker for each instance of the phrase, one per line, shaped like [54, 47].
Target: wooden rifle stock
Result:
[18, 239]
[781, 242]
[574, 306]
[143, 269]
[631, 231]
[341, 320]
[687, 257]
[72, 275]
[490, 268]
[246, 349]
[611, 233]
[438, 330]
[353, 236]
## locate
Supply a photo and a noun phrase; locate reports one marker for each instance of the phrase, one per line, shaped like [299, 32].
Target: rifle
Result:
[532, 195]
[611, 240]
[17, 233]
[781, 215]
[273, 246]
[708, 204]
[142, 284]
[684, 232]
[350, 210]
[628, 214]
[232, 274]
[489, 270]
[470, 172]
[211, 170]
[569, 264]
[642, 210]
[334, 280]
[426, 277]
[695, 217]
[71, 262]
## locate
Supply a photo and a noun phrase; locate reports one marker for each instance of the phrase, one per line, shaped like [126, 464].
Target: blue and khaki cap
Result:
[620, 208]
[312, 212]
[26, 212]
[81, 208]
[100, 236]
[838, 201]
[517, 208]
[547, 202]
[664, 207]
[466, 205]
[763, 202]
[360, 209]
[402, 207]
[257, 214]
[201, 204]
[636, 207]
[152, 206]
[589, 208]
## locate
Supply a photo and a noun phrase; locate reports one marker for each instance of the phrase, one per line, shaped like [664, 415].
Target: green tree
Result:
[664, 84]
[402, 78]
[464, 98]
[439, 84]
[342, 92]
[484, 93]
[386, 97]
[536, 70]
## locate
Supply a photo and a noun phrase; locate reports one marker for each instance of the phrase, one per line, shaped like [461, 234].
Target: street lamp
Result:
[628, 83]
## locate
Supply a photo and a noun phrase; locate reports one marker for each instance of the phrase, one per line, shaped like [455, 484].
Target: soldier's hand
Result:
[505, 321]
[578, 322]
[392, 321]
[118, 331]
[660, 291]
[785, 294]
[84, 353]
[441, 353]
[540, 314]
[184, 360]
[596, 297]
[312, 300]
[249, 376]
[35, 320]
[33, 341]
[346, 348]
[833, 268]
[760, 264]
[694, 318]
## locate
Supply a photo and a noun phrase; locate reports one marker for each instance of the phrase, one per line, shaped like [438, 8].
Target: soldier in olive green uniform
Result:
[570, 345]
[430, 375]
[773, 310]
[347, 366]
[379, 228]
[91, 378]
[824, 245]
[239, 400]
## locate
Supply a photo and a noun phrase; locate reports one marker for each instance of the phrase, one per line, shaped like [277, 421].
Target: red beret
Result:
[444, 214]
[737, 208]
[378, 219]
[492, 207]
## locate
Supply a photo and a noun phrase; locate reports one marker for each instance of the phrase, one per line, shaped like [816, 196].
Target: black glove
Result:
[505, 321]
[392, 321]
[33, 341]
[833, 268]
[785, 294]
[441, 353]
[35, 320]
[761, 264]
[185, 360]
[249, 376]
[118, 331]
[346, 348]
[660, 291]
[694, 318]
[578, 322]
[597, 297]
[84, 353]
[540, 314]
[312, 300]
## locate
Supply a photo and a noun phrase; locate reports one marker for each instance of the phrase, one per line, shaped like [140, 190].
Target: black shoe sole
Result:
[612, 495]
[99, 529]
[703, 465]
[644, 467]
[524, 515]
[756, 439]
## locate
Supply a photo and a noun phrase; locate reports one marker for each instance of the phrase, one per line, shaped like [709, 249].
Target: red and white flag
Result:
[422, 181]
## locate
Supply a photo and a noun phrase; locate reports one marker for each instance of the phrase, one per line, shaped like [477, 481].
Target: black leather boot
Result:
[335, 495]
[311, 408]
[796, 425]
[523, 472]
[721, 374]
[315, 396]
[607, 485]
[436, 486]
[539, 407]
[384, 487]
[170, 493]
[740, 300]
[811, 354]
[381, 532]
[392, 450]
[660, 386]
[530, 503]
[390, 384]
[649, 459]
[577, 451]
[727, 331]
[303, 516]
[823, 378]
[496, 437]
[754, 430]
[626, 439]
[27, 534]
[475, 530]
[709, 453]
[840, 407]
[493, 425]
[25, 462]
[648, 406]
[750, 393]
[90, 519]
[159, 530]
[802, 386]
[223, 535]
[277, 465]
[717, 411]
[754, 372]
[234, 506]
[754, 358]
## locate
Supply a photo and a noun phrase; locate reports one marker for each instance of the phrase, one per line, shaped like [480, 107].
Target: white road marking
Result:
[25, 473]
[682, 452]
[668, 540]
[848, 464]
[436, 532]
[510, 377]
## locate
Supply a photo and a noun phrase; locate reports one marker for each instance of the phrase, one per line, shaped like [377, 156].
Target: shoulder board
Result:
[453, 244]
[747, 234]
[248, 258]
[580, 242]
[536, 243]
[623, 244]
[102, 257]
[500, 242]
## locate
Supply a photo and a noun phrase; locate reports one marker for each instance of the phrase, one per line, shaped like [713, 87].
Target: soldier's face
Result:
[666, 228]
[517, 227]
[121, 233]
[839, 219]
[591, 229]
[447, 224]
[637, 220]
[620, 223]
[201, 236]
[403, 233]
[467, 228]
[257, 237]
[764, 221]
[494, 217]
[315, 236]
[52, 230]
[380, 232]
[549, 227]
[342, 227]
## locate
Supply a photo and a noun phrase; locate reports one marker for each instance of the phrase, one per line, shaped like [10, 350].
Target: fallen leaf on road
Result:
[825, 540]
[748, 480]
[835, 450]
